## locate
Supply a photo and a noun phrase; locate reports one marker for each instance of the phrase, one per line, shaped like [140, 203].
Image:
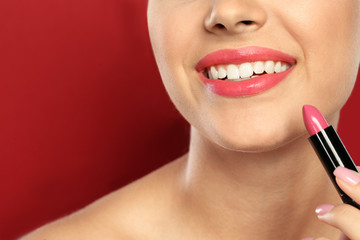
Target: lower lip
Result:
[242, 88]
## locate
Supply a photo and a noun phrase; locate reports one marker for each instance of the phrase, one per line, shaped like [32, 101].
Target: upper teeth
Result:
[246, 70]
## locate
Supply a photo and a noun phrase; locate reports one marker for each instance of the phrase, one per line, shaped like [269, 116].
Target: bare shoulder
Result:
[128, 213]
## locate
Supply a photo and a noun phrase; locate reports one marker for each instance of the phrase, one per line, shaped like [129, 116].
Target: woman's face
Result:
[318, 40]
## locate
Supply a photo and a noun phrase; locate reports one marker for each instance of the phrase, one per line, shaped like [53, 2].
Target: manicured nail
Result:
[347, 175]
[323, 210]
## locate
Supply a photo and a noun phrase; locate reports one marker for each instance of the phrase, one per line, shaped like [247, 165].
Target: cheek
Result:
[174, 32]
[328, 34]
[163, 36]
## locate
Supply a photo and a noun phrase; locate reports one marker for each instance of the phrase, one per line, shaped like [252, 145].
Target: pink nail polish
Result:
[347, 175]
[324, 209]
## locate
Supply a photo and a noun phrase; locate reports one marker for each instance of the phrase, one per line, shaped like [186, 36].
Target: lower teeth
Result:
[241, 79]
[235, 80]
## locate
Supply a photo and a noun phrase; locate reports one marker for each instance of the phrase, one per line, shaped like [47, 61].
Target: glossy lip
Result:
[237, 56]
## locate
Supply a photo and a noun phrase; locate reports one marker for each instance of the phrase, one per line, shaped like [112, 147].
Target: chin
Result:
[256, 147]
[256, 140]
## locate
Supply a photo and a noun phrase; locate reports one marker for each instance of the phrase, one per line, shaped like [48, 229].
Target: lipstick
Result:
[329, 147]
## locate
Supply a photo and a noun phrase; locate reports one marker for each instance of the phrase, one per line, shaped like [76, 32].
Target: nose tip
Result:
[234, 16]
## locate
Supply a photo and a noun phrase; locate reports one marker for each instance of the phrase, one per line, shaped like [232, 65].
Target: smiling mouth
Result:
[246, 70]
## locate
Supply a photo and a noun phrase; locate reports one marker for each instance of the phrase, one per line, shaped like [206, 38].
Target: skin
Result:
[250, 172]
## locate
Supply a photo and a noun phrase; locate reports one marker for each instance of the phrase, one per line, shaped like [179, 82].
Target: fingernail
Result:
[308, 238]
[323, 210]
[347, 175]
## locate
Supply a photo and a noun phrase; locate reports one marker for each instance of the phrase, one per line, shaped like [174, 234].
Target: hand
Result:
[344, 217]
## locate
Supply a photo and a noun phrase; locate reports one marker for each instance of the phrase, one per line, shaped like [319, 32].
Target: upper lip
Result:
[241, 55]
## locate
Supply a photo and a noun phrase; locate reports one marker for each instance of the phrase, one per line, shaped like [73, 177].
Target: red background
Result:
[82, 107]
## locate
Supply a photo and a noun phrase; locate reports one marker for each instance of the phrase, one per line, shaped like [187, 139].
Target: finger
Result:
[349, 182]
[344, 217]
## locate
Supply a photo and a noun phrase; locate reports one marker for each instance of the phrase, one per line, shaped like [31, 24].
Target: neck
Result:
[269, 195]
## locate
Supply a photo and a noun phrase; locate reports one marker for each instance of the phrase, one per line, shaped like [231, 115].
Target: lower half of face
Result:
[324, 41]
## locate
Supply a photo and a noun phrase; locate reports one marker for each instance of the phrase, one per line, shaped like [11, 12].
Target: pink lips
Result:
[238, 56]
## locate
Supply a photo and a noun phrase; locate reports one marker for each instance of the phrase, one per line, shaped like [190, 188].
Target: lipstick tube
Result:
[329, 148]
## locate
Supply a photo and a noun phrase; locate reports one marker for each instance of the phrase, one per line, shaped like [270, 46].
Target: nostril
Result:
[247, 22]
[220, 26]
